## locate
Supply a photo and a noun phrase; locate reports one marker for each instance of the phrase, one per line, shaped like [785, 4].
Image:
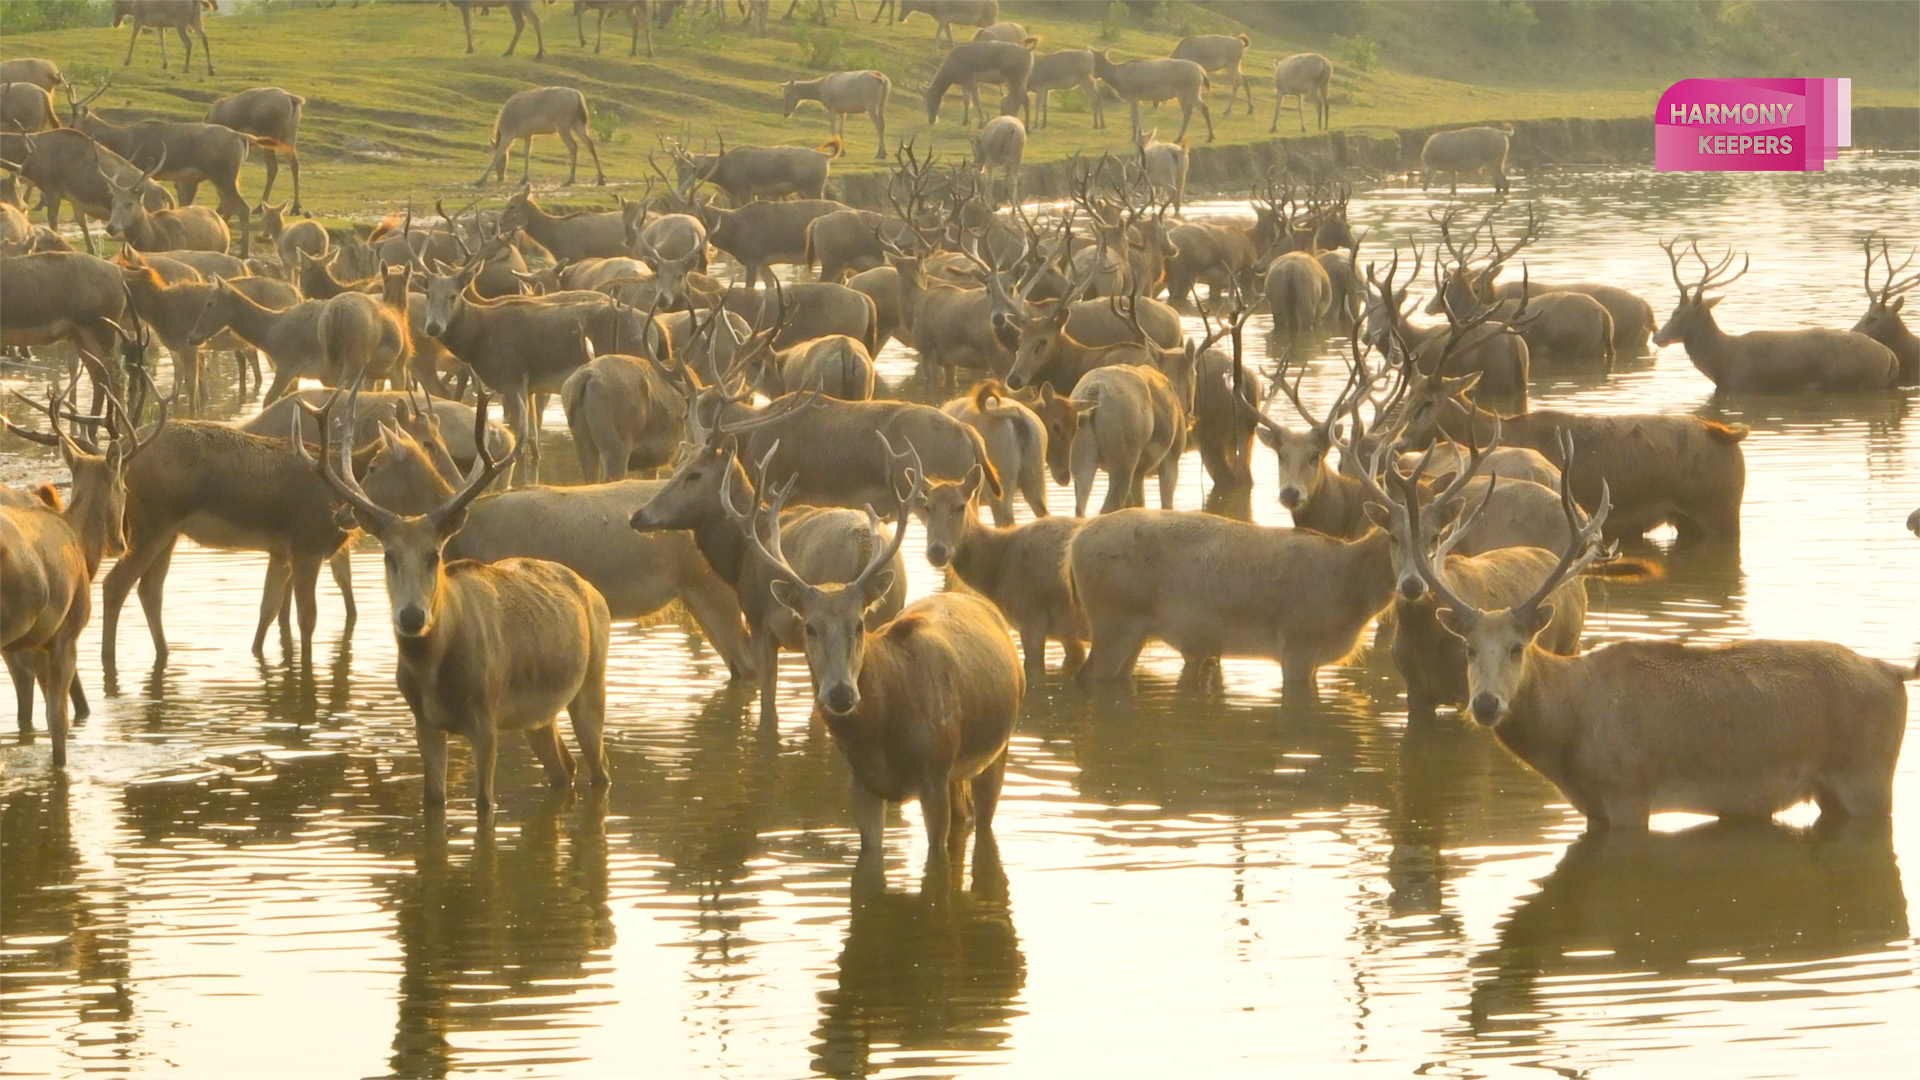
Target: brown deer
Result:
[190, 228]
[746, 173]
[1565, 325]
[921, 707]
[44, 74]
[1639, 727]
[1165, 164]
[1766, 361]
[634, 11]
[1882, 321]
[26, 108]
[947, 12]
[523, 12]
[1219, 52]
[570, 238]
[272, 116]
[627, 414]
[836, 365]
[65, 296]
[1300, 75]
[161, 16]
[1000, 147]
[173, 310]
[971, 63]
[183, 153]
[1016, 444]
[1467, 150]
[1158, 80]
[546, 110]
[844, 93]
[1067, 70]
[831, 544]
[69, 167]
[763, 234]
[292, 240]
[542, 624]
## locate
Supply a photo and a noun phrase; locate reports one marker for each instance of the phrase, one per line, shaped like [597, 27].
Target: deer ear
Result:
[1377, 514]
[878, 586]
[1542, 615]
[1898, 303]
[789, 594]
[1453, 622]
[1709, 305]
[972, 481]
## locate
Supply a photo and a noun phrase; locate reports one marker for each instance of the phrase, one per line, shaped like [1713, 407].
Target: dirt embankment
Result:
[1536, 143]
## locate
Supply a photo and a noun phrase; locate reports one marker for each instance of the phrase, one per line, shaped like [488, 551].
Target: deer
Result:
[1467, 150]
[44, 74]
[1766, 361]
[673, 246]
[1299, 292]
[1000, 147]
[836, 366]
[173, 310]
[746, 173]
[1219, 52]
[1227, 255]
[920, 707]
[543, 623]
[1158, 80]
[1483, 341]
[760, 235]
[1639, 727]
[191, 228]
[945, 13]
[1298, 76]
[1065, 70]
[523, 12]
[1129, 420]
[1632, 316]
[181, 152]
[1021, 569]
[1002, 31]
[272, 117]
[1224, 404]
[627, 413]
[1882, 321]
[290, 336]
[68, 166]
[1570, 325]
[1165, 164]
[49, 560]
[974, 62]
[546, 110]
[65, 296]
[1016, 444]
[569, 237]
[844, 93]
[1659, 468]
[161, 16]
[292, 240]
[847, 242]
[634, 11]
[814, 309]
[27, 109]
[832, 544]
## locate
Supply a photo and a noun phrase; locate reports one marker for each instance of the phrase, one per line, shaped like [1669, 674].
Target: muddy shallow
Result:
[234, 877]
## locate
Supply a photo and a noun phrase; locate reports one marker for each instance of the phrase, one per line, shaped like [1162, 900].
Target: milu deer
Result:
[172, 311]
[1022, 569]
[183, 153]
[842, 94]
[921, 707]
[1766, 361]
[1565, 325]
[292, 239]
[1016, 444]
[761, 235]
[830, 544]
[570, 238]
[1882, 321]
[945, 13]
[546, 110]
[1219, 52]
[523, 12]
[971, 63]
[161, 16]
[746, 173]
[69, 167]
[835, 365]
[272, 116]
[1640, 727]
[44, 74]
[26, 108]
[1467, 150]
[1299, 76]
[634, 11]
[47, 563]
[1158, 80]
[627, 414]
[542, 626]
[190, 228]
[1165, 164]
[1000, 147]
[1067, 70]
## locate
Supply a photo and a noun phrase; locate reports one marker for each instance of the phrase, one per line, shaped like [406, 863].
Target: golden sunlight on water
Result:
[234, 878]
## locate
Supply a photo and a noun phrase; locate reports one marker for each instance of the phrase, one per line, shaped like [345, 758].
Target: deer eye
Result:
[1517, 652]
[811, 631]
[1472, 652]
[392, 560]
[432, 560]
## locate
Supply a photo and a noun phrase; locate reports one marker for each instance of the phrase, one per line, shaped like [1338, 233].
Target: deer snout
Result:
[411, 620]
[1487, 709]
[641, 521]
[938, 554]
[840, 699]
[434, 329]
[1016, 381]
[1291, 497]
[1412, 588]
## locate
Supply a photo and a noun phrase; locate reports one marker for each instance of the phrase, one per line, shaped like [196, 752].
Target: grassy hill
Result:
[396, 109]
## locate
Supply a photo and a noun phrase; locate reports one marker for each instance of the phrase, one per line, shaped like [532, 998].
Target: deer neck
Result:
[257, 324]
[721, 544]
[1335, 509]
[981, 556]
[1545, 712]
[1368, 576]
[91, 521]
[1708, 346]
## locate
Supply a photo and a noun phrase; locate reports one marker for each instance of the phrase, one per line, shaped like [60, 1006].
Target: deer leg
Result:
[206, 50]
[519, 27]
[56, 675]
[588, 711]
[1299, 678]
[552, 754]
[593, 149]
[526, 162]
[1115, 647]
[1169, 479]
[986, 795]
[342, 566]
[1033, 647]
[879, 133]
[485, 754]
[273, 595]
[1084, 461]
[22, 674]
[716, 611]
[573, 156]
[119, 582]
[306, 575]
[272, 161]
[1274, 127]
[580, 25]
[766, 661]
[131, 42]
[869, 816]
[1136, 121]
[153, 590]
[936, 808]
[466, 21]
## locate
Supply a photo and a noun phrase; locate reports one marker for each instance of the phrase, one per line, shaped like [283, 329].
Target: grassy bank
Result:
[396, 109]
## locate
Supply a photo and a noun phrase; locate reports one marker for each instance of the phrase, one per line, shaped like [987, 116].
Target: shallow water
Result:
[234, 874]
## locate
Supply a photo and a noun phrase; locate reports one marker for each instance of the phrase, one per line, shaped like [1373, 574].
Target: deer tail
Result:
[980, 458]
[265, 143]
[986, 391]
[1727, 433]
[1625, 569]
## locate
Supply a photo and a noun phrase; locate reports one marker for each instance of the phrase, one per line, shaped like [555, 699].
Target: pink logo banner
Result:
[1752, 125]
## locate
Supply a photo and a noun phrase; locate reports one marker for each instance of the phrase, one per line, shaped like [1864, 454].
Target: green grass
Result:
[396, 109]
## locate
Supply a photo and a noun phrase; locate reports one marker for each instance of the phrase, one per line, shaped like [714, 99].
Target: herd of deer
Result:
[1464, 533]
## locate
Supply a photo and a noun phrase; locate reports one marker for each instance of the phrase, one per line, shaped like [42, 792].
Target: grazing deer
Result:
[968, 65]
[272, 117]
[1219, 52]
[44, 74]
[68, 166]
[841, 94]
[1067, 70]
[1882, 321]
[1300, 75]
[26, 108]
[161, 16]
[1767, 361]
[47, 564]
[544, 627]
[1659, 468]
[634, 11]
[947, 12]
[191, 228]
[547, 110]
[1022, 569]
[922, 706]
[523, 12]
[1000, 147]
[1639, 727]
[1467, 150]
[1016, 444]
[1158, 80]
[831, 544]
